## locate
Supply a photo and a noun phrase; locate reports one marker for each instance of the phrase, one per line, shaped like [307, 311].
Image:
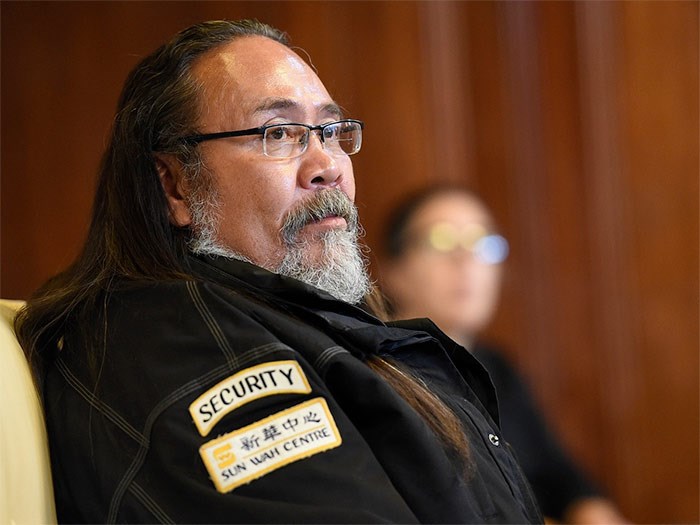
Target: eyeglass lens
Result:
[291, 140]
[487, 247]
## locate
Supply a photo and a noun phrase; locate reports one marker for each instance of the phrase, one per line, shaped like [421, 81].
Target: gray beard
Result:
[341, 269]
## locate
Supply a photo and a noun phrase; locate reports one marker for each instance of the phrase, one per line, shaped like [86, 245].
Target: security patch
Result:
[276, 377]
[269, 444]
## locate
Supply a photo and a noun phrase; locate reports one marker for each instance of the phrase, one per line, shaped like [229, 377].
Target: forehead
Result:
[456, 208]
[256, 75]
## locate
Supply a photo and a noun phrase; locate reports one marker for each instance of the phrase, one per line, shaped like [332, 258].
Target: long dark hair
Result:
[130, 235]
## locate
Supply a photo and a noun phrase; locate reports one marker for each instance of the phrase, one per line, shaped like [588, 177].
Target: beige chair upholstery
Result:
[26, 491]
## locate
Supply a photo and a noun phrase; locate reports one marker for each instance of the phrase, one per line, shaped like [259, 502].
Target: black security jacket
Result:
[242, 397]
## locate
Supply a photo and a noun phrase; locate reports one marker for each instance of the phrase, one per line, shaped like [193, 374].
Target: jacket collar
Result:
[355, 327]
[259, 281]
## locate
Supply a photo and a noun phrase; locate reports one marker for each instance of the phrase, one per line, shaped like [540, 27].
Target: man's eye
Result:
[277, 133]
[331, 132]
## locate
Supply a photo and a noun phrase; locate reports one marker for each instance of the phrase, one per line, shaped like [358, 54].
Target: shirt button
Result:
[493, 438]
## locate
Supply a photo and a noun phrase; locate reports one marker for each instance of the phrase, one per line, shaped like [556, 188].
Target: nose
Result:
[318, 166]
[462, 256]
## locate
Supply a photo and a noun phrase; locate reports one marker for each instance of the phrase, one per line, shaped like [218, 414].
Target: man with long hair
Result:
[211, 355]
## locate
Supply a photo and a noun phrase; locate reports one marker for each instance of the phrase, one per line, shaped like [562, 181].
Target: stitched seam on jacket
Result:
[329, 353]
[211, 322]
[98, 404]
[140, 456]
[176, 395]
[148, 502]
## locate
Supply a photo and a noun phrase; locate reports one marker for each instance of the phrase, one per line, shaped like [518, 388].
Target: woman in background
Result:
[444, 262]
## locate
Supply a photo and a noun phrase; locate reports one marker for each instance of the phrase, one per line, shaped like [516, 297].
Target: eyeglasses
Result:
[489, 248]
[286, 141]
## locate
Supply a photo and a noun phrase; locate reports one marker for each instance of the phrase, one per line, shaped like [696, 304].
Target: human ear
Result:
[173, 181]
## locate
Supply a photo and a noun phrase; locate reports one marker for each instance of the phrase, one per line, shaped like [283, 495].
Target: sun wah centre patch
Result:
[276, 377]
[269, 444]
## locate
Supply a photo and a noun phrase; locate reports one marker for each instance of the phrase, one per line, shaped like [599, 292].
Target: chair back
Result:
[26, 489]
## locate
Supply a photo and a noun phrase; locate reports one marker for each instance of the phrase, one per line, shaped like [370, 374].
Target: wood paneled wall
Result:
[577, 121]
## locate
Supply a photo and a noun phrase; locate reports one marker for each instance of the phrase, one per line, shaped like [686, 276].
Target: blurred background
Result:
[576, 121]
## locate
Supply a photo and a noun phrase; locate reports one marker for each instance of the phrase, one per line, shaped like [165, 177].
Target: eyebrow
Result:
[284, 103]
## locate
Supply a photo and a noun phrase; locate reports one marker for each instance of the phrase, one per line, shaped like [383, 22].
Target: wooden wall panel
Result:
[659, 140]
[598, 50]
[577, 121]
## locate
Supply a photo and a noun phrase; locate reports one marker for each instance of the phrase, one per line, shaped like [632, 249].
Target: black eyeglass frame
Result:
[197, 139]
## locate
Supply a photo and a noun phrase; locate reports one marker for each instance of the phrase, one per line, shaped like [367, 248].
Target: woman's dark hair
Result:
[130, 235]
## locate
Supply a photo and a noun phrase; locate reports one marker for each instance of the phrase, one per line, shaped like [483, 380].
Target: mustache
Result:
[322, 204]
